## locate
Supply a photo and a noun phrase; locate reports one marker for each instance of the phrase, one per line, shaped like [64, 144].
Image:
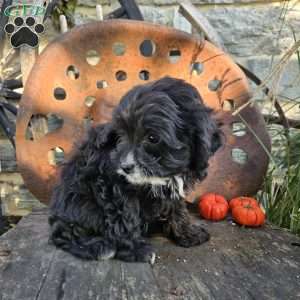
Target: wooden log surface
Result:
[237, 263]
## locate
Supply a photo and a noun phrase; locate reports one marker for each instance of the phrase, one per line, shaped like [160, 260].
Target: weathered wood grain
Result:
[132, 10]
[200, 23]
[237, 263]
[69, 278]
[28, 261]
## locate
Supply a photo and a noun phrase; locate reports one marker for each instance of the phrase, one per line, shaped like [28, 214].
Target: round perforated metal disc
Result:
[81, 76]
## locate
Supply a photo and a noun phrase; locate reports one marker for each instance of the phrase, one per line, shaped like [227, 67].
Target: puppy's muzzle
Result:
[127, 168]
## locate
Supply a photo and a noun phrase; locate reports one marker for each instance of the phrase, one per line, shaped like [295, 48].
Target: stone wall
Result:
[255, 32]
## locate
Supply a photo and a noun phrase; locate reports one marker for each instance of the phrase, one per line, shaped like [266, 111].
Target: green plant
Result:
[281, 193]
[67, 8]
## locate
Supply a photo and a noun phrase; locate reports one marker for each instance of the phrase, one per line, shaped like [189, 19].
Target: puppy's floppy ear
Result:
[203, 132]
[207, 138]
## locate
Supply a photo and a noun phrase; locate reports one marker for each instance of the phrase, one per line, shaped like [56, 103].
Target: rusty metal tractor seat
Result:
[81, 76]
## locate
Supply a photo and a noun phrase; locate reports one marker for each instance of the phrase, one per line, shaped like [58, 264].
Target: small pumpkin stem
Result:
[248, 206]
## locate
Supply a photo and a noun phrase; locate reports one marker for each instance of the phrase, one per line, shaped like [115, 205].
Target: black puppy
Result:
[133, 172]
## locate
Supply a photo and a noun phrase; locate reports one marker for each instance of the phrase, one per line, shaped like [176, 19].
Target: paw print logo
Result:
[24, 33]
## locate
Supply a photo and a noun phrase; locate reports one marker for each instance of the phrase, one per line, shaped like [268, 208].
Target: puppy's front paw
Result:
[145, 253]
[141, 252]
[99, 248]
[106, 253]
[192, 236]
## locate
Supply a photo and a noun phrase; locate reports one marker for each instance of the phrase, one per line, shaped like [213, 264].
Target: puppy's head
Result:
[164, 130]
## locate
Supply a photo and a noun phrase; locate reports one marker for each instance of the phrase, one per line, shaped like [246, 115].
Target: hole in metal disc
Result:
[89, 101]
[147, 48]
[121, 76]
[46, 124]
[228, 105]
[92, 57]
[238, 129]
[56, 156]
[144, 75]
[72, 72]
[197, 68]
[119, 49]
[174, 55]
[239, 156]
[214, 85]
[101, 84]
[60, 93]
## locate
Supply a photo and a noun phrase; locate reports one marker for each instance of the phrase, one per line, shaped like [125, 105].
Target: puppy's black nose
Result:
[127, 168]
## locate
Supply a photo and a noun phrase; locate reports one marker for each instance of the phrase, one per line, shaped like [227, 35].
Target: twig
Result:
[9, 94]
[12, 84]
[11, 108]
[7, 59]
[256, 80]
[284, 120]
[63, 23]
[99, 12]
[258, 139]
[118, 13]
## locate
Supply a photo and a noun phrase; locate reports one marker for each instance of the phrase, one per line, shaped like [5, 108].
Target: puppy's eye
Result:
[119, 139]
[153, 138]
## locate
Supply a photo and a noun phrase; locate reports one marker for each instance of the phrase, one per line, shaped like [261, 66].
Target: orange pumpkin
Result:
[213, 207]
[248, 215]
[242, 201]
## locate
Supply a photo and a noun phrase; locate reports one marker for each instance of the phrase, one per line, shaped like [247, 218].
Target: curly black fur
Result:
[132, 172]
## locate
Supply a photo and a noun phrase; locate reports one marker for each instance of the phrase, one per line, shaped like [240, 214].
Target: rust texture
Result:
[120, 66]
